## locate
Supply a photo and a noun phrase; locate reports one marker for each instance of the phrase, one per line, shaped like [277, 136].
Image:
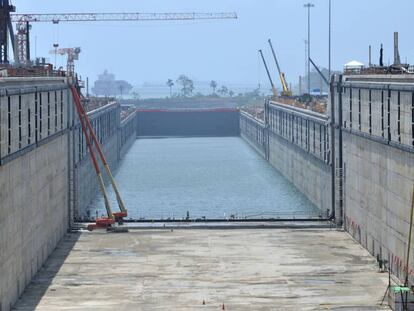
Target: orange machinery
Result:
[91, 141]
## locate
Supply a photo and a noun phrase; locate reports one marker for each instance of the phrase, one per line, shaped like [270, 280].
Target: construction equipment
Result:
[319, 72]
[6, 28]
[99, 17]
[91, 142]
[22, 45]
[22, 51]
[73, 54]
[275, 94]
[286, 91]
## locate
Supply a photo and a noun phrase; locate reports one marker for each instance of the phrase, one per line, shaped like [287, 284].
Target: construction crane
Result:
[6, 29]
[72, 54]
[22, 50]
[275, 94]
[22, 41]
[286, 91]
[118, 17]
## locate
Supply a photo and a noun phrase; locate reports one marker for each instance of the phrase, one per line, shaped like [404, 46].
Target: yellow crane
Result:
[286, 91]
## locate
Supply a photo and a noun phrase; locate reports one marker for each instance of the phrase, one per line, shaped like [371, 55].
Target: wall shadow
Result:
[42, 280]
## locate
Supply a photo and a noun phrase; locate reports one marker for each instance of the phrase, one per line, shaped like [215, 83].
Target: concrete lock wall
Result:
[34, 150]
[378, 163]
[45, 172]
[297, 143]
[105, 121]
[188, 122]
[127, 133]
[252, 131]
[115, 138]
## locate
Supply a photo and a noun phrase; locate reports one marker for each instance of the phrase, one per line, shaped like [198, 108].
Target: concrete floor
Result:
[281, 269]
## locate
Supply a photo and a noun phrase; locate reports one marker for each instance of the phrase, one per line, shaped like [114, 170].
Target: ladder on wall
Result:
[339, 188]
[73, 216]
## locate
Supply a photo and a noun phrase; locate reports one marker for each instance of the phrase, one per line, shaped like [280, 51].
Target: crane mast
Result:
[286, 91]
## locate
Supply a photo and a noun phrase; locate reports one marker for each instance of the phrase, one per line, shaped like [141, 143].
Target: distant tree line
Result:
[187, 88]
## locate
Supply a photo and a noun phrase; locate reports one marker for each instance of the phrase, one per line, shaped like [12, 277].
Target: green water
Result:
[208, 177]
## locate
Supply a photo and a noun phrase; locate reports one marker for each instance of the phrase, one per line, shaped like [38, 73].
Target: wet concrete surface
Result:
[174, 269]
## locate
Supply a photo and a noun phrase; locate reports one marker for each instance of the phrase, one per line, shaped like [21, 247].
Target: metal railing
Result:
[377, 70]
[156, 216]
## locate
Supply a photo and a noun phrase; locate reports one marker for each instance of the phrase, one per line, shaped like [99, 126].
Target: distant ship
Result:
[106, 85]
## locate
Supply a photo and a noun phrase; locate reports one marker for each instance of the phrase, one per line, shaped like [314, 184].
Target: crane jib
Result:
[22, 48]
[96, 17]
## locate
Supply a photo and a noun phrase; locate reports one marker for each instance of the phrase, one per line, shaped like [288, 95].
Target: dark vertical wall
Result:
[211, 122]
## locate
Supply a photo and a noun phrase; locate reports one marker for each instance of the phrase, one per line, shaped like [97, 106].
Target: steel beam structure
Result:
[97, 17]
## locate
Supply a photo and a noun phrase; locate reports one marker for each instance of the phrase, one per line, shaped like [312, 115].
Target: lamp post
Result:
[309, 6]
[330, 41]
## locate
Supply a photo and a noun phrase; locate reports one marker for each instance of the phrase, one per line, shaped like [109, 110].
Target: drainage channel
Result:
[226, 224]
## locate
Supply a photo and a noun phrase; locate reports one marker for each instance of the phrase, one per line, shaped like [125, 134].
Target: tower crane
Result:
[286, 91]
[22, 49]
[73, 54]
[6, 29]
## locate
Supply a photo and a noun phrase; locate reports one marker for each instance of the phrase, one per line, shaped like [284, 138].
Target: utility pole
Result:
[87, 87]
[330, 38]
[369, 57]
[309, 6]
[306, 65]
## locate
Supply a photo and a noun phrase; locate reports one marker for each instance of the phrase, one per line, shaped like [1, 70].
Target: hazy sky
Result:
[222, 50]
